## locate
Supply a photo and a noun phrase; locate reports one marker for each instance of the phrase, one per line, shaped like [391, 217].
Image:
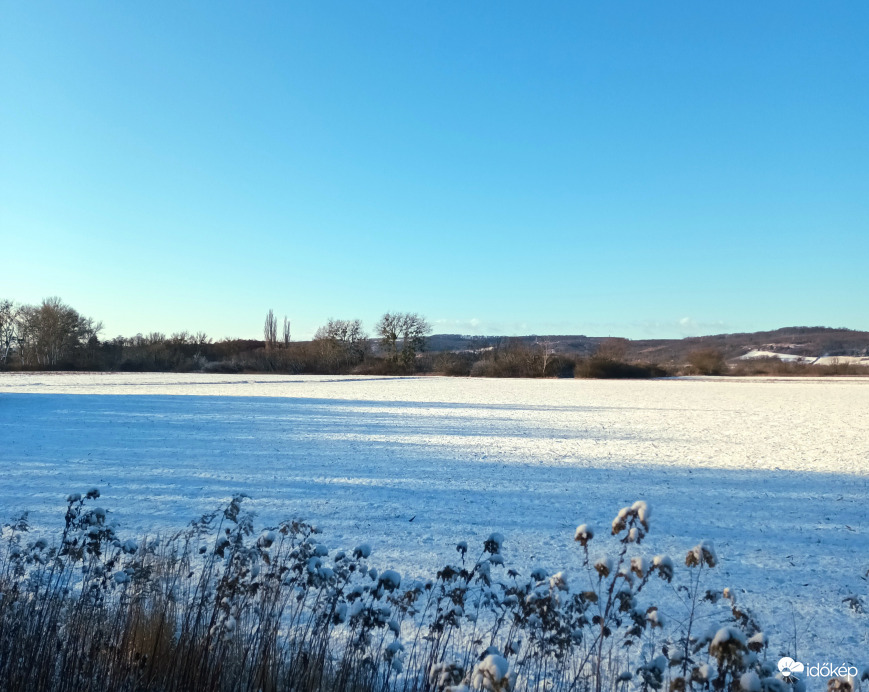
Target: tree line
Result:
[55, 336]
[45, 336]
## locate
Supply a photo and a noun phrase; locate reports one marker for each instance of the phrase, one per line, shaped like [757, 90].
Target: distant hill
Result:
[797, 341]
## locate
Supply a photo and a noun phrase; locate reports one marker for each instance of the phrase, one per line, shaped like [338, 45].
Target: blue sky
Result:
[609, 168]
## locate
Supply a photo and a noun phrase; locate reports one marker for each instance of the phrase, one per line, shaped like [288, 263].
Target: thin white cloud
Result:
[645, 329]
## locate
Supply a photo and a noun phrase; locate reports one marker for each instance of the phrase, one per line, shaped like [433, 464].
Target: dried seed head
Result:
[702, 554]
[583, 534]
[603, 567]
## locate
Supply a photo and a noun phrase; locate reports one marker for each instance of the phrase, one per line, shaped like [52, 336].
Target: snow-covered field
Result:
[807, 360]
[775, 472]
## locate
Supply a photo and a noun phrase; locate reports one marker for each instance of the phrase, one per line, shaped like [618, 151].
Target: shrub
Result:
[606, 369]
[223, 367]
[706, 361]
[514, 358]
[374, 365]
[453, 364]
[779, 368]
[609, 362]
[562, 366]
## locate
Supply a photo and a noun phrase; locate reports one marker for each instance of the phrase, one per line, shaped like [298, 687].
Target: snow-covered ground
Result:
[775, 472]
[787, 357]
[808, 360]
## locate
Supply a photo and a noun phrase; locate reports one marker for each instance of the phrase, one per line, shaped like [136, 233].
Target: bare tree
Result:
[270, 330]
[286, 333]
[547, 350]
[154, 339]
[389, 331]
[410, 329]
[8, 320]
[341, 342]
[51, 333]
[414, 330]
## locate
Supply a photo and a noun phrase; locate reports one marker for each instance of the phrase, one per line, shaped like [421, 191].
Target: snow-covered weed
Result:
[222, 606]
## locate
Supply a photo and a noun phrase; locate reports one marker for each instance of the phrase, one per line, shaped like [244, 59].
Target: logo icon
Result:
[788, 667]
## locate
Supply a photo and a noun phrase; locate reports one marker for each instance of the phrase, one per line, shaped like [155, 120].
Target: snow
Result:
[395, 646]
[759, 640]
[489, 672]
[809, 360]
[558, 581]
[704, 554]
[662, 561]
[495, 541]
[604, 565]
[787, 357]
[583, 534]
[129, 546]
[750, 682]
[725, 634]
[774, 472]
[842, 360]
[538, 574]
[267, 538]
[390, 579]
[655, 618]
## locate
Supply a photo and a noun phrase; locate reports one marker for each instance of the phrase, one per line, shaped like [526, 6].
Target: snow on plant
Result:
[220, 605]
[493, 674]
[702, 554]
[583, 534]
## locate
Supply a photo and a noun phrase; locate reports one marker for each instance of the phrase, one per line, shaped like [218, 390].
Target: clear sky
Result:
[624, 168]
